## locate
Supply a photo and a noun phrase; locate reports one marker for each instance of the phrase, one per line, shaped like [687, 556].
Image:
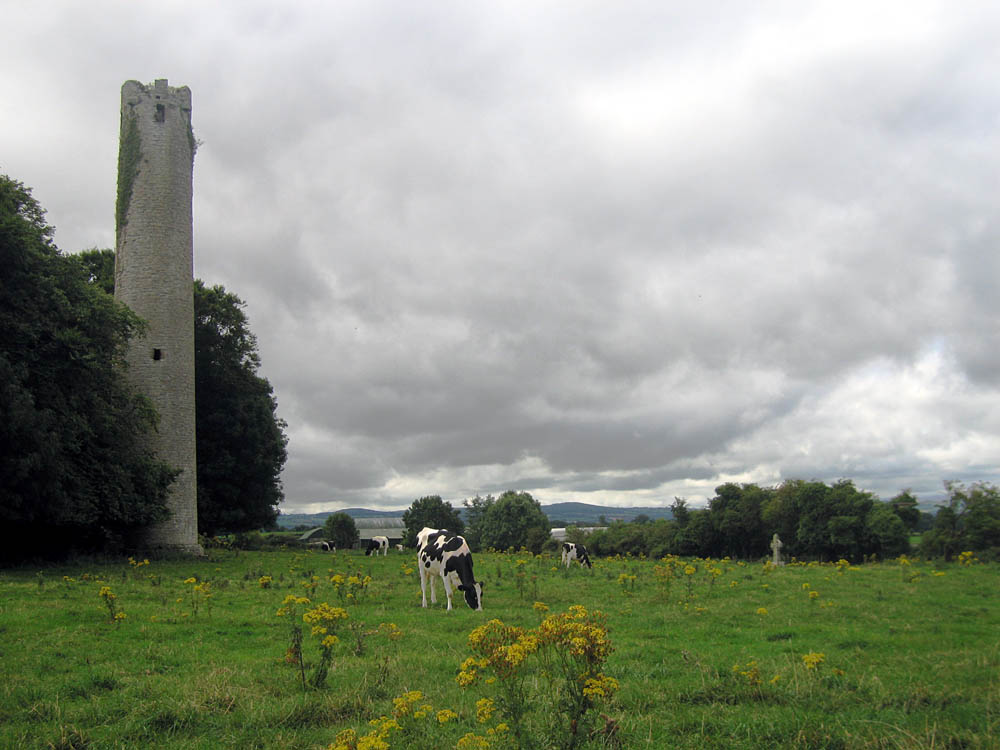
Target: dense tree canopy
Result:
[513, 520]
[430, 511]
[970, 520]
[904, 505]
[341, 530]
[241, 442]
[475, 509]
[76, 472]
[736, 517]
[813, 520]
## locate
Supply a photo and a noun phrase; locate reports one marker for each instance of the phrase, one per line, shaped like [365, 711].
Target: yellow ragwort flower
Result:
[812, 660]
[484, 710]
[472, 741]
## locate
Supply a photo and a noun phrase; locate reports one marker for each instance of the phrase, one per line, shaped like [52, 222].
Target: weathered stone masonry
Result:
[154, 273]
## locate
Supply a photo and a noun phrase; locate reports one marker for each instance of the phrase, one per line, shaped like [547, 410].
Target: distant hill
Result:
[291, 520]
[584, 514]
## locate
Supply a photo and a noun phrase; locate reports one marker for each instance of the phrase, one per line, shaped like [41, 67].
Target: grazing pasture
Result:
[308, 649]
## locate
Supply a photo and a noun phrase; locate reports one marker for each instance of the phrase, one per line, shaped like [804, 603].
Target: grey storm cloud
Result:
[612, 253]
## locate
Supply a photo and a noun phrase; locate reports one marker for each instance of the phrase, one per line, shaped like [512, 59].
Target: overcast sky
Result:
[612, 252]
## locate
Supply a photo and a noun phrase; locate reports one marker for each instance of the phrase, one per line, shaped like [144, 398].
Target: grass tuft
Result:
[70, 739]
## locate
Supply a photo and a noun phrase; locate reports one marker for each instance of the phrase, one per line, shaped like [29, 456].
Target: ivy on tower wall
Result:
[129, 156]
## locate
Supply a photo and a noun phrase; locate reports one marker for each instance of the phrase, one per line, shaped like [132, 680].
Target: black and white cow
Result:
[328, 547]
[578, 552]
[442, 553]
[377, 543]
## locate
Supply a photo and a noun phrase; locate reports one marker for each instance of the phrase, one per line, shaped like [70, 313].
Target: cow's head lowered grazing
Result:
[442, 553]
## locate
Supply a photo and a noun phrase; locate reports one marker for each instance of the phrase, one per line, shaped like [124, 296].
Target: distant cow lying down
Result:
[578, 552]
[377, 543]
[442, 553]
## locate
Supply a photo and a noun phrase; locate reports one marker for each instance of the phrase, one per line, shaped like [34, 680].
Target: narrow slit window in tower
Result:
[161, 113]
[157, 354]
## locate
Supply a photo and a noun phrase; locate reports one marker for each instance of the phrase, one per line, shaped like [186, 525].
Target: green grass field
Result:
[885, 655]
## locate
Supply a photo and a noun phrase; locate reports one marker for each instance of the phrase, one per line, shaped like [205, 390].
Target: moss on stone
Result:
[129, 156]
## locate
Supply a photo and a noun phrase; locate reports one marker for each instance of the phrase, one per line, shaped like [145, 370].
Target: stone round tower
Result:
[154, 276]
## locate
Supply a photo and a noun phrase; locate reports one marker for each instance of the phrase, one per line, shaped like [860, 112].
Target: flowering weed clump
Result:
[115, 615]
[310, 584]
[664, 573]
[293, 654]
[812, 660]
[350, 588]
[750, 672]
[323, 619]
[627, 583]
[689, 571]
[566, 651]
[201, 593]
[136, 565]
[413, 721]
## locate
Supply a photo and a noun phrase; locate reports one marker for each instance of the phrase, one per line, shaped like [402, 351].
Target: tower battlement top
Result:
[159, 91]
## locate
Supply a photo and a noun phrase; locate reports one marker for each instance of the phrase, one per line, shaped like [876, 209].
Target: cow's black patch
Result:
[453, 543]
[459, 564]
[431, 550]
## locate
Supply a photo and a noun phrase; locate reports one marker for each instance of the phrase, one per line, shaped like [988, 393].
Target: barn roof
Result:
[560, 534]
[390, 526]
